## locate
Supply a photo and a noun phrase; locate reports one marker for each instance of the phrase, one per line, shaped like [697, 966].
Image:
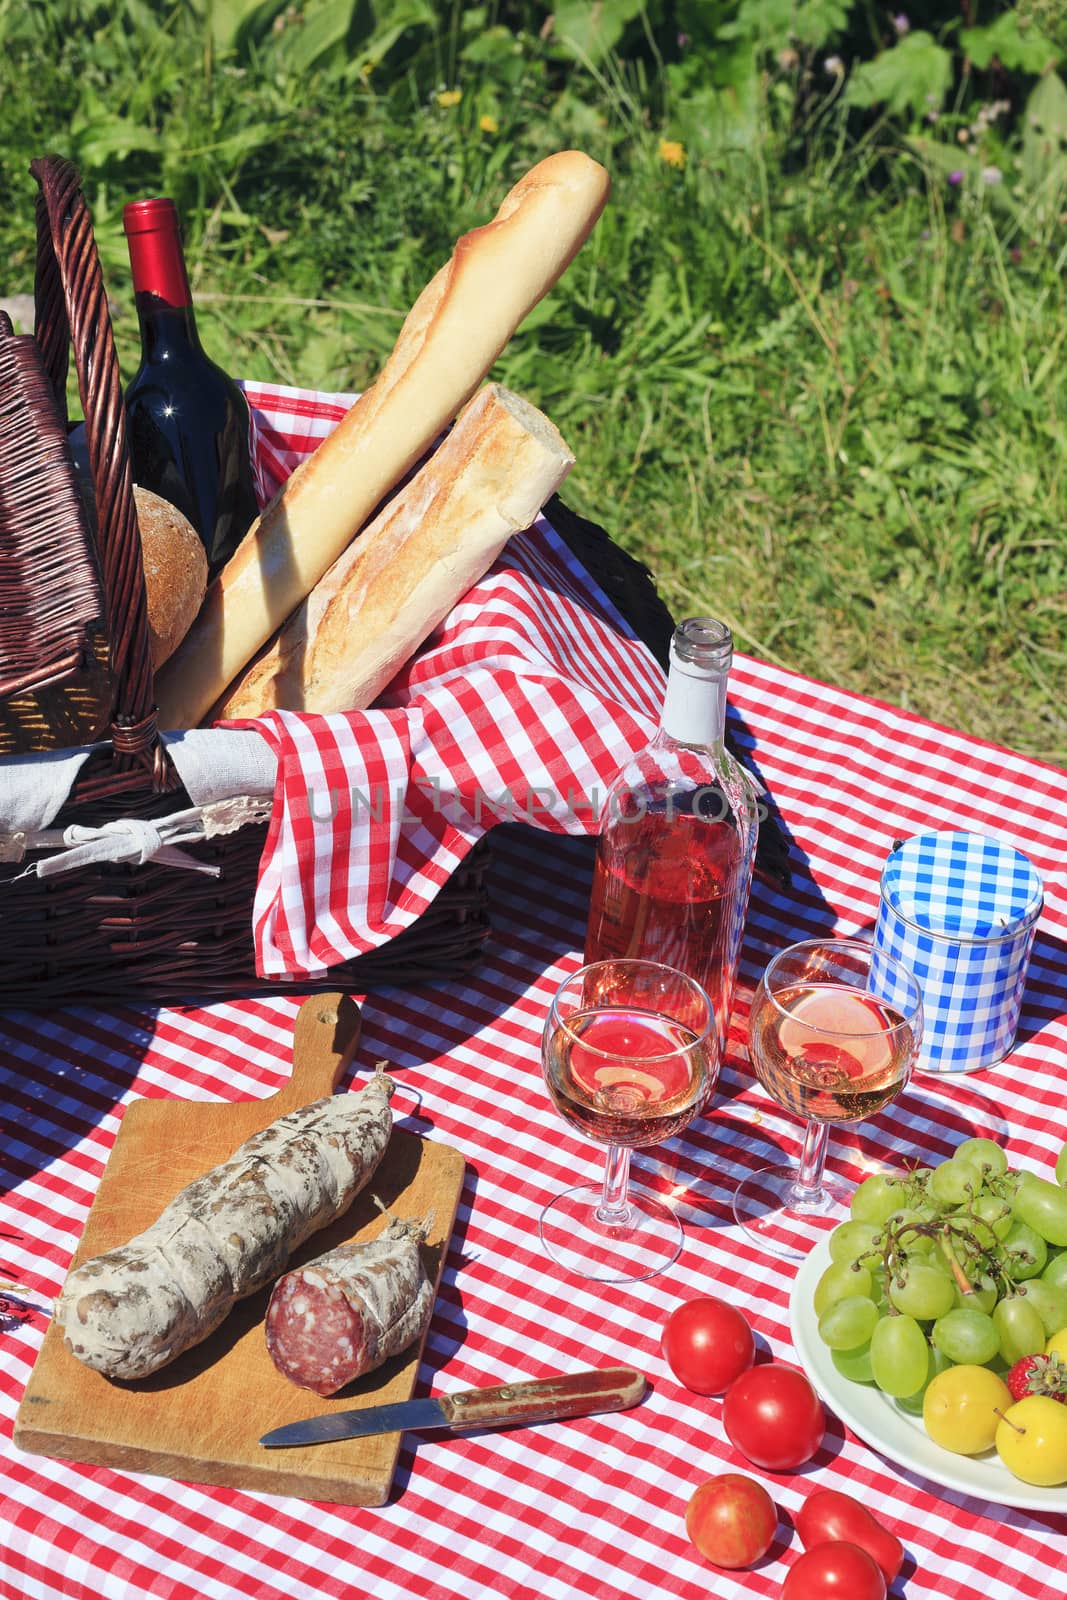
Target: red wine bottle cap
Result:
[153, 235]
[146, 216]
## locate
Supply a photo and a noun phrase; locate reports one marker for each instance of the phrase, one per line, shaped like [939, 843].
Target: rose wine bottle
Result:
[187, 421]
[678, 833]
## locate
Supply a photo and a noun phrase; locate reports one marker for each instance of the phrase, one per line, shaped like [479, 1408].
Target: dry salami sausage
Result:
[349, 1310]
[128, 1312]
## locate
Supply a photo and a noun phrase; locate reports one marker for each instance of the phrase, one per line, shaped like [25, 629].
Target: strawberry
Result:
[1038, 1375]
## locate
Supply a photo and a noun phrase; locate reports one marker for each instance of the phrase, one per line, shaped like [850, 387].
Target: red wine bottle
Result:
[187, 421]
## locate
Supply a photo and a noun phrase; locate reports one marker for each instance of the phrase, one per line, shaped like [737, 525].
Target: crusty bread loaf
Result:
[405, 572]
[175, 572]
[451, 337]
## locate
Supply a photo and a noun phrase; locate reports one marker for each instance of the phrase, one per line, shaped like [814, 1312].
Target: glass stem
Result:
[614, 1208]
[807, 1186]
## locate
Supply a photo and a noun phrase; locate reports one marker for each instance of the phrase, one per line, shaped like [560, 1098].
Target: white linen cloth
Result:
[229, 775]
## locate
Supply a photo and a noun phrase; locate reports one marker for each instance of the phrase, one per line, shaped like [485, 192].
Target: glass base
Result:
[645, 1243]
[778, 1218]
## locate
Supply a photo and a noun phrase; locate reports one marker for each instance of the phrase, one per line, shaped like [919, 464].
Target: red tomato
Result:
[828, 1515]
[774, 1417]
[838, 1571]
[732, 1520]
[706, 1344]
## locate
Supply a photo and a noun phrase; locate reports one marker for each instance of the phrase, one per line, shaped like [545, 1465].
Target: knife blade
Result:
[575, 1394]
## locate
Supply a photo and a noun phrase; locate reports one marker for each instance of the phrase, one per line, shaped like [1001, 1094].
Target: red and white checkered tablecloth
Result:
[591, 1508]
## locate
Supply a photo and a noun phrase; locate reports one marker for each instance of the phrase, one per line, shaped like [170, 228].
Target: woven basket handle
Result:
[72, 311]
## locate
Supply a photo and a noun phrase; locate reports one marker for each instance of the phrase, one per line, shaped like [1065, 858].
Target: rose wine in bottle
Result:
[678, 833]
[187, 421]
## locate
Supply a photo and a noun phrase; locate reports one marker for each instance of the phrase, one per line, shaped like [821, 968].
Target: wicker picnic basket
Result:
[75, 668]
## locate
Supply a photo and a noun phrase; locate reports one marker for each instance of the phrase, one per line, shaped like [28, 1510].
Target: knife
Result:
[574, 1394]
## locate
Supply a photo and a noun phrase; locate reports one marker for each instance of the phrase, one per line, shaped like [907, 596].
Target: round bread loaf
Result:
[175, 572]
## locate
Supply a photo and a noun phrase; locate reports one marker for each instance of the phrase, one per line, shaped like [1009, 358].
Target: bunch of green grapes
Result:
[964, 1263]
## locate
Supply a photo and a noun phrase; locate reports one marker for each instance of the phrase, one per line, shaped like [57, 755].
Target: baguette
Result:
[401, 577]
[454, 332]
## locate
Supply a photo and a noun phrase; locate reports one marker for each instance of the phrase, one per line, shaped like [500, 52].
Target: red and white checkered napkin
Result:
[523, 704]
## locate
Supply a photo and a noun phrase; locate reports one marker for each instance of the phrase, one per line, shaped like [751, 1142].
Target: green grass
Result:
[817, 389]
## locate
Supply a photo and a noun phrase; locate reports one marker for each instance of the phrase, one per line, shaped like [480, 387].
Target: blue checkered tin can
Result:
[960, 911]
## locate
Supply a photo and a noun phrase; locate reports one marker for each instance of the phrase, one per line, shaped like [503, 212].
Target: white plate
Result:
[881, 1424]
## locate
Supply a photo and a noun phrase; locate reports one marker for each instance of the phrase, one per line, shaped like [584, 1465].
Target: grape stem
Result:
[944, 1243]
[947, 1235]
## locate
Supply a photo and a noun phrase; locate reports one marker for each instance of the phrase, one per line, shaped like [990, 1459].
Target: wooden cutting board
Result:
[199, 1418]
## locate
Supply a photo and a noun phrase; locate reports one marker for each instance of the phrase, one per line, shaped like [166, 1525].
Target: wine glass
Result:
[630, 1057]
[834, 1030]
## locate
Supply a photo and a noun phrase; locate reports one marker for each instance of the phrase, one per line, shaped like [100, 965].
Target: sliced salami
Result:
[348, 1311]
[128, 1312]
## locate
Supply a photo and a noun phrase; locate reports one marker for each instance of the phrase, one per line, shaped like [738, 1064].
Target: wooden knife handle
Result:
[575, 1394]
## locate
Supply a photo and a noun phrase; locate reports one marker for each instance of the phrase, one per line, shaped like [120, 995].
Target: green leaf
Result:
[1015, 43]
[232, 148]
[719, 120]
[224, 19]
[1045, 132]
[913, 75]
[94, 141]
[328, 30]
[227, 22]
[818, 21]
[491, 47]
[375, 45]
[769, 23]
[592, 30]
[774, 24]
[944, 159]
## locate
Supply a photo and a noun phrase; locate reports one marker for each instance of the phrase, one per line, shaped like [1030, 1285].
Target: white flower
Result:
[834, 66]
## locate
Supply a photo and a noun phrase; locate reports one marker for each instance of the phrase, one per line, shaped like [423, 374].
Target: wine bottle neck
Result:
[694, 707]
[156, 257]
[160, 281]
[166, 331]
